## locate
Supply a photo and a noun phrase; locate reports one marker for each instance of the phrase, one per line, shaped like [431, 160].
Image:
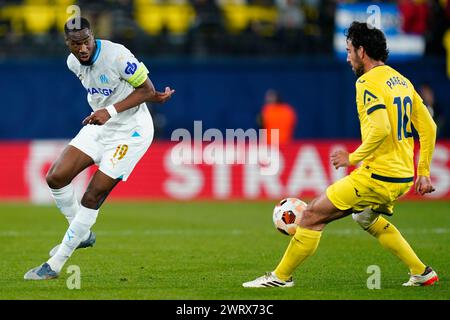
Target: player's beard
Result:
[358, 69]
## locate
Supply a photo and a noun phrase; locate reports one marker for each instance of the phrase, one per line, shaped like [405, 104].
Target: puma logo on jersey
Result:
[113, 162]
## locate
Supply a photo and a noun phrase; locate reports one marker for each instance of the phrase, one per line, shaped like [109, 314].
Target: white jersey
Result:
[110, 78]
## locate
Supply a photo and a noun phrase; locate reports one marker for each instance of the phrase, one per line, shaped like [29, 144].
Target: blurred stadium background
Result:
[221, 56]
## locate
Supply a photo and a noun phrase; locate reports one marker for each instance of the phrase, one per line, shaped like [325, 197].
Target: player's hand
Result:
[423, 185]
[164, 96]
[98, 117]
[340, 159]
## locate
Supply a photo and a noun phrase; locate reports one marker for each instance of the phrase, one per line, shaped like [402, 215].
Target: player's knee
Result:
[56, 180]
[310, 217]
[365, 218]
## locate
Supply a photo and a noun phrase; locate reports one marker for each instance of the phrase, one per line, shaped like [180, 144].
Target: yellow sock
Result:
[390, 238]
[303, 244]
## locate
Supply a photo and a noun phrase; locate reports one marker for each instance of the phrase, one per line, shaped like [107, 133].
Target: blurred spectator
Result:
[122, 16]
[290, 15]
[435, 109]
[207, 32]
[277, 114]
[414, 15]
[256, 28]
[438, 22]
[290, 24]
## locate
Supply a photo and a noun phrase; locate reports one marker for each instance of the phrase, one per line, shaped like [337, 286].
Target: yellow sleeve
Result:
[370, 101]
[378, 131]
[426, 127]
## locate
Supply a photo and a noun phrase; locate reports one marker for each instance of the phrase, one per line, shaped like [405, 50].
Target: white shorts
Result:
[115, 156]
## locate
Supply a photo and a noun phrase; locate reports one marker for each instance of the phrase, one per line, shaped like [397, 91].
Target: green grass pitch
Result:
[205, 250]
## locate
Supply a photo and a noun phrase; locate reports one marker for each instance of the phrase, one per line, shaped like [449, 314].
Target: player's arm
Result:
[379, 128]
[426, 128]
[142, 93]
[135, 73]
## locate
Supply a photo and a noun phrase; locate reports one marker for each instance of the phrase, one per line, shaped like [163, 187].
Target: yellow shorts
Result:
[362, 189]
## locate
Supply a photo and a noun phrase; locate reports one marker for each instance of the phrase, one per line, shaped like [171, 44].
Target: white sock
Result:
[66, 201]
[77, 230]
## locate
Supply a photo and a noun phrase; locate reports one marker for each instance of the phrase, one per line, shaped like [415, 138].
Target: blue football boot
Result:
[43, 272]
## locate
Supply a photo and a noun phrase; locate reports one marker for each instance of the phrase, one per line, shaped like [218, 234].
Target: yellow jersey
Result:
[388, 108]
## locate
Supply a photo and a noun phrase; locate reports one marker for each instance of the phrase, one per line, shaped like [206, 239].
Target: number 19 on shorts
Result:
[121, 151]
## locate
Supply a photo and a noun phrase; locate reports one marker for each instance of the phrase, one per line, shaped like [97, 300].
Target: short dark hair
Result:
[72, 25]
[370, 38]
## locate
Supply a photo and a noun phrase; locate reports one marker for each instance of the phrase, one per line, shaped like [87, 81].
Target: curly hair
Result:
[360, 34]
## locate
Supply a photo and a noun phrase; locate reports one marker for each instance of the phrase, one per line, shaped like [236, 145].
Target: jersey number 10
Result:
[404, 110]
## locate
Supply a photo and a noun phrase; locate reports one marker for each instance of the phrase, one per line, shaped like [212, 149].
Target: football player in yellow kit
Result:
[388, 107]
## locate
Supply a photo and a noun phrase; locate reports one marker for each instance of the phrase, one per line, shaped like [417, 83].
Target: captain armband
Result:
[139, 76]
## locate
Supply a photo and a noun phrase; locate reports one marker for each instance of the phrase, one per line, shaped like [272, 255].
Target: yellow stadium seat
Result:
[268, 16]
[14, 15]
[49, 2]
[150, 18]
[178, 18]
[65, 2]
[38, 19]
[236, 17]
[36, 2]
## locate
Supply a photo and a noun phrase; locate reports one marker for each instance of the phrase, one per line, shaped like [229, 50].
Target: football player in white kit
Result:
[115, 136]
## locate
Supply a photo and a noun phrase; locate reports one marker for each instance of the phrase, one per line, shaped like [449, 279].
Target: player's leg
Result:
[83, 151]
[70, 163]
[336, 203]
[392, 240]
[116, 162]
[304, 243]
[99, 188]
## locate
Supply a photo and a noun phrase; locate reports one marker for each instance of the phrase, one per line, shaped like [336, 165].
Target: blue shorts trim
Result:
[392, 179]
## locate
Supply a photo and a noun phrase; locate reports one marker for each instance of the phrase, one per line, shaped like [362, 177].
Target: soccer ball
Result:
[287, 214]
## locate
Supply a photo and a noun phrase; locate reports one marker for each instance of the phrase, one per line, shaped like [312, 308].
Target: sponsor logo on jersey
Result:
[369, 97]
[104, 79]
[104, 91]
[131, 68]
